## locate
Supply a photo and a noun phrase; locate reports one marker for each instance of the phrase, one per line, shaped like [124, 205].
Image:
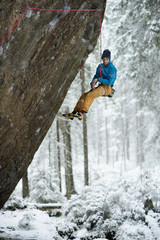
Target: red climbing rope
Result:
[100, 34]
[14, 25]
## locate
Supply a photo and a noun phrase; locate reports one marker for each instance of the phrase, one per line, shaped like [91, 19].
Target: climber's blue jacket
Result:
[106, 74]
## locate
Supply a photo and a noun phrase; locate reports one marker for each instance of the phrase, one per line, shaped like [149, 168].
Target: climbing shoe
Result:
[78, 115]
[68, 115]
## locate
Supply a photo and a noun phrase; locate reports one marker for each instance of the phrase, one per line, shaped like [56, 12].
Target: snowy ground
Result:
[31, 223]
[27, 224]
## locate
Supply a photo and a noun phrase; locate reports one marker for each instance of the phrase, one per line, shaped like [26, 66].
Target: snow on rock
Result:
[38, 130]
[67, 8]
[37, 15]
[90, 47]
[1, 50]
[73, 41]
[84, 40]
[53, 23]
[29, 13]
[24, 64]
[11, 88]
[3, 47]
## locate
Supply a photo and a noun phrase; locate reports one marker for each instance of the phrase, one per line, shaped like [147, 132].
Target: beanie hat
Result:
[106, 54]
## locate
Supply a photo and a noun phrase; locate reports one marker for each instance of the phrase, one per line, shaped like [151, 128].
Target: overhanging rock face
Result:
[38, 62]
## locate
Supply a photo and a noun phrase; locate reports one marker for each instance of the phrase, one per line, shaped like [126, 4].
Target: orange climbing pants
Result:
[87, 98]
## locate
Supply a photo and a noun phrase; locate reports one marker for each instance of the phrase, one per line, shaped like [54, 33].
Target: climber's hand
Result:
[95, 80]
[94, 83]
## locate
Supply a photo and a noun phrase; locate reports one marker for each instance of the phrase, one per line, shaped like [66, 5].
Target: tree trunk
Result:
[25, 186]
[123, 160]
[141, 141]
[98, 138]
[68, 161]
[126, 123]
[137, 137]
[140, 138]
[65, 128]
[59, 157]
[85, 139]
[127, 138]
[39, 60]
[49, 148]
[107, 136]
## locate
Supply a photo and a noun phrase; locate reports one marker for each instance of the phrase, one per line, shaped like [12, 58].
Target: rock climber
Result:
[105, 75]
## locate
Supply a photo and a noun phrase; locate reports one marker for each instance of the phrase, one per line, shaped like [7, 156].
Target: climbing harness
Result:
[112, 92]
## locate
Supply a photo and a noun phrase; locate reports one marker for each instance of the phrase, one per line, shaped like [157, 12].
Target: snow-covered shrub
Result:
[131, 230]
[67, 230]
[54, 212]
[44, 189]
[118, 211]
[27, 221]
[15, 202]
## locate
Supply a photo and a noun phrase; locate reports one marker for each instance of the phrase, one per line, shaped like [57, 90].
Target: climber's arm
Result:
[111, 77]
